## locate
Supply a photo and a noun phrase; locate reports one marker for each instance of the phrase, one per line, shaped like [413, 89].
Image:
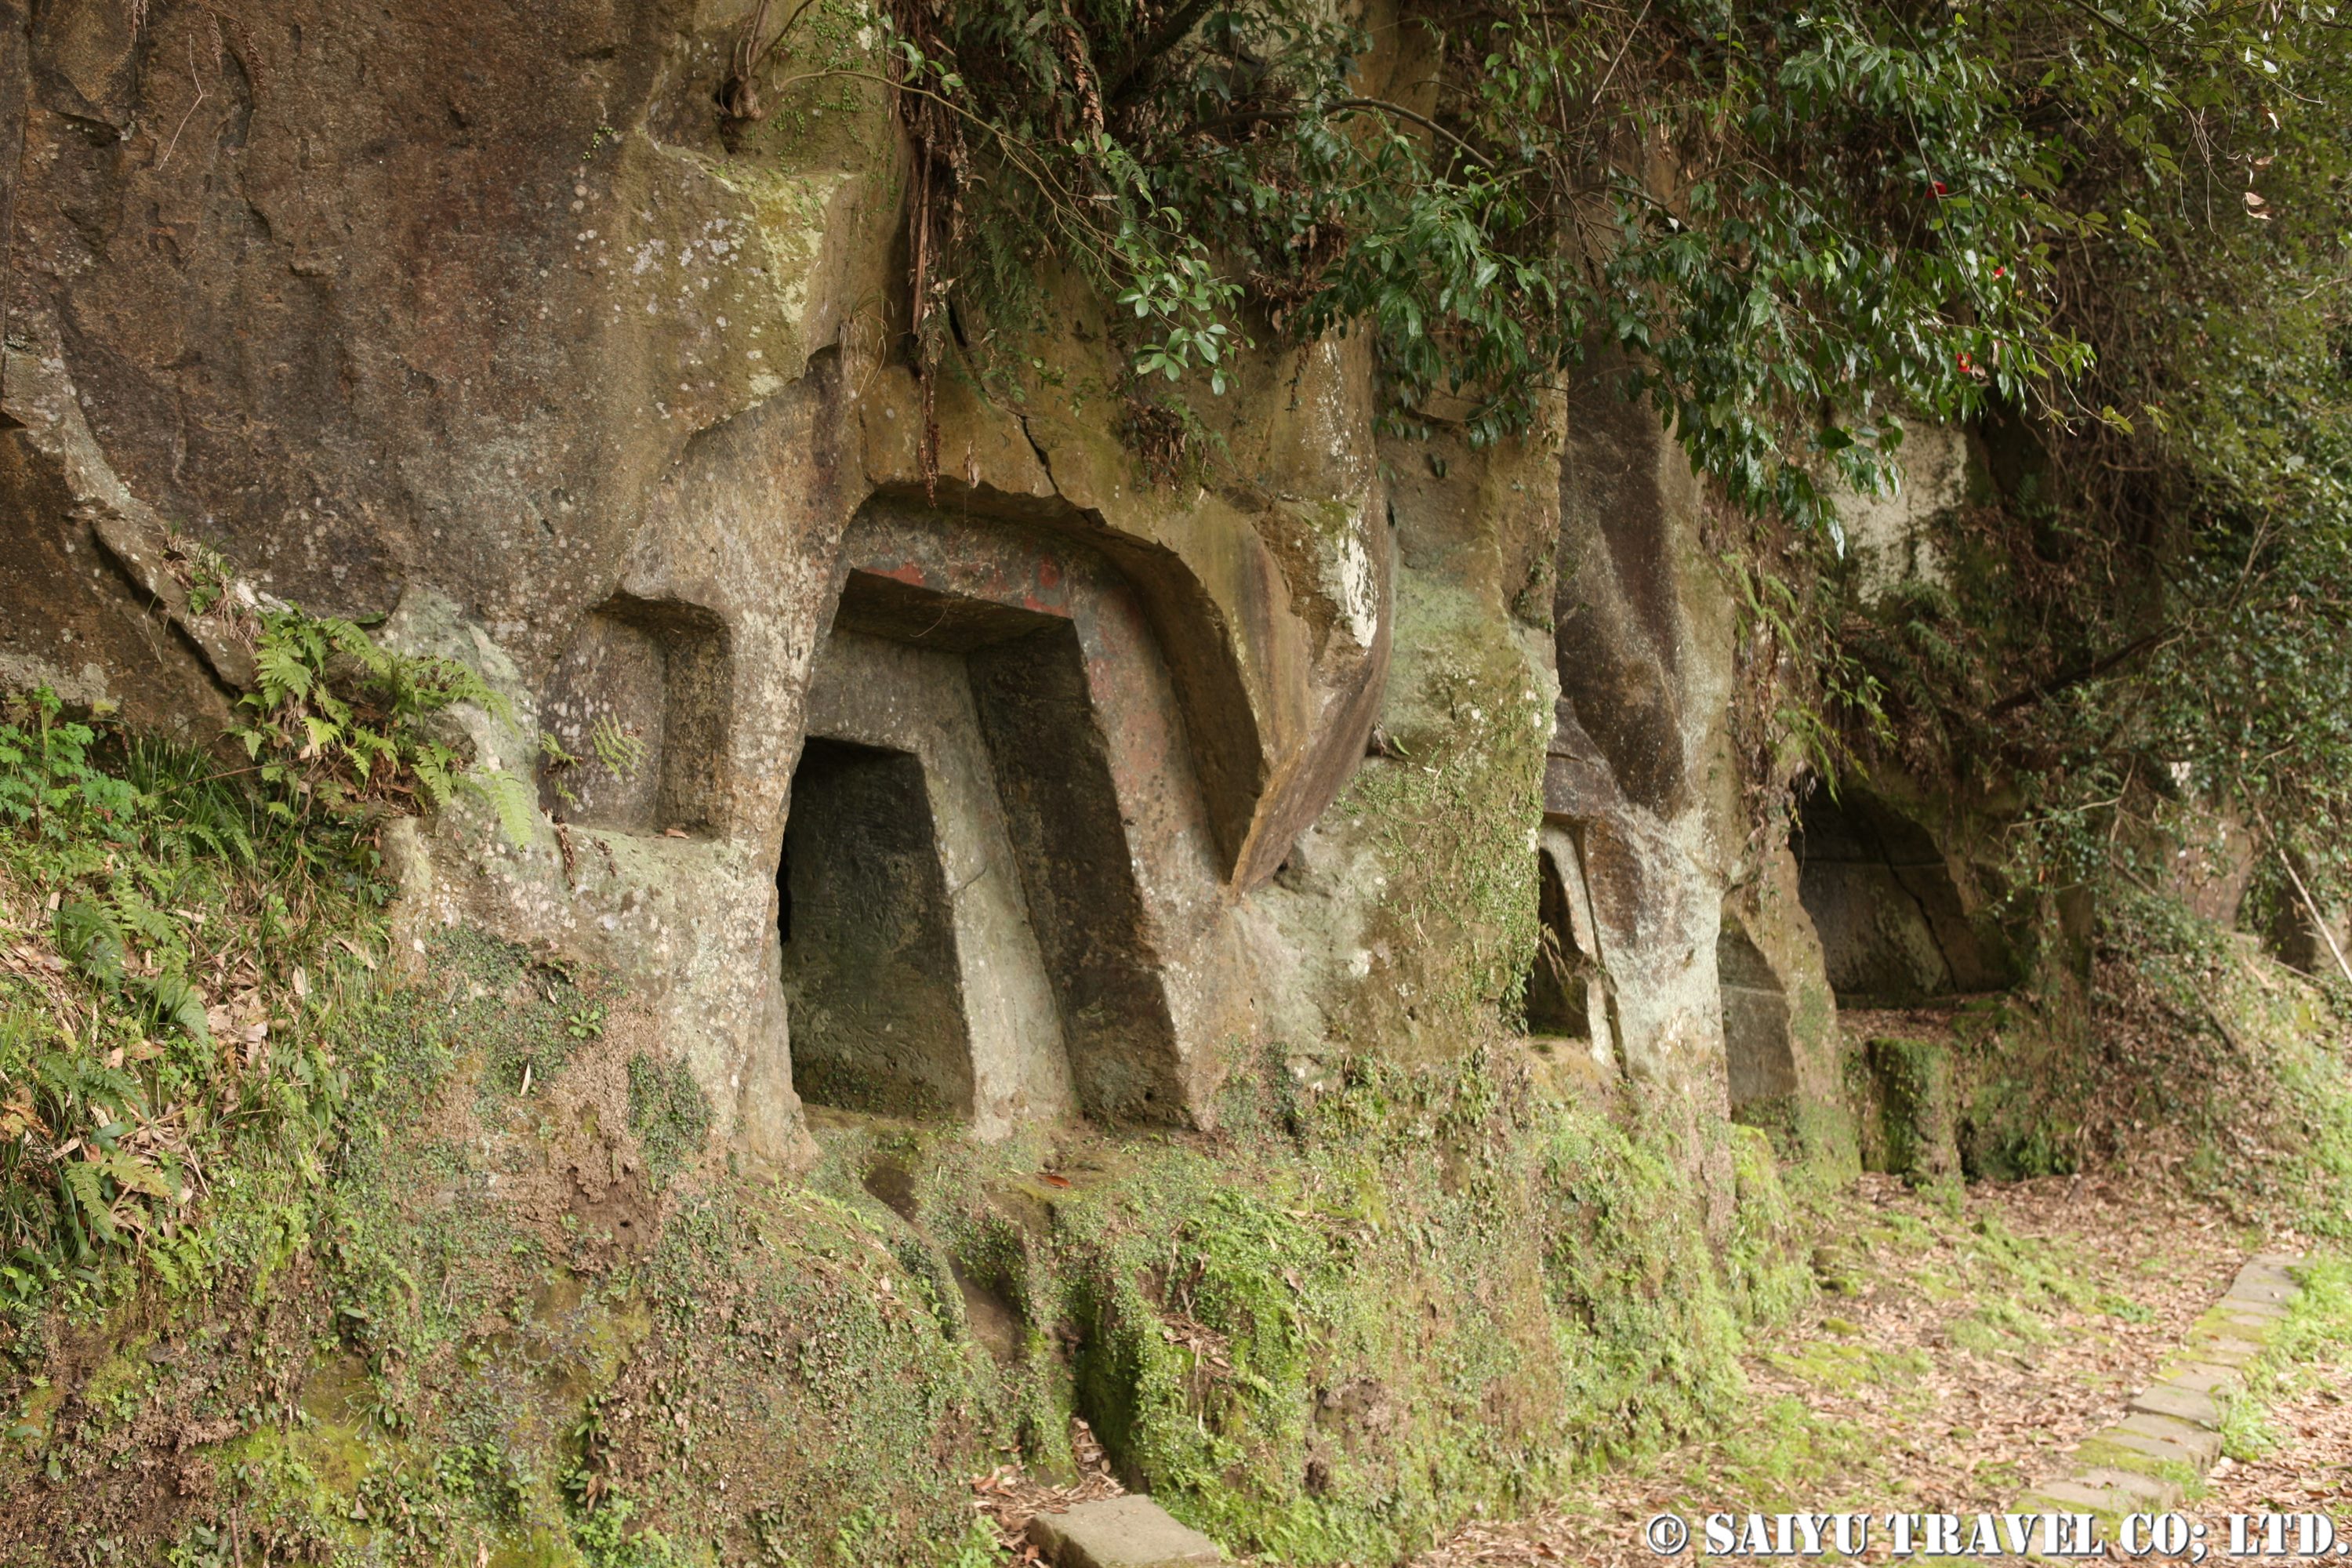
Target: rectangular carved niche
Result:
[1559, 1001]
[1045, 948]
[1757, 1052]
[1567, 992]
[641, 698]
[869, 947]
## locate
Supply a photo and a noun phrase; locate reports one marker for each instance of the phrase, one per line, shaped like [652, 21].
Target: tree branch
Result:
[2310, 904]
[1339, 105]
[2044, 691]
[1153, 45]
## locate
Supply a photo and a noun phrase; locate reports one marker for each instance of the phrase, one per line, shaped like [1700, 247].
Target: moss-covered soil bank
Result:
[1963, 1345]
[497, 1296]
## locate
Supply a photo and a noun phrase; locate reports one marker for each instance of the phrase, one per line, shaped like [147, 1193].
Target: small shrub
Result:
[337, 723]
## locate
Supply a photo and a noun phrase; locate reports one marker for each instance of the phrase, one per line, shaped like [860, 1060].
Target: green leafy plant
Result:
[614, 746]
[157, 912]
[203, 572]
[338, 723]
[48, 787]
[556, 767]
[618, 747]
[1789, 221]
[2109, 240]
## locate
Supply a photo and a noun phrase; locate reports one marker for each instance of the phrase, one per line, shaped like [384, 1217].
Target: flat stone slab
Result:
[2168, 1449]
[2152, 1490]
[2205, 1446]
[2235, 1311]
[2073, 1497]
[1129, 1531]
[2180, 1403]
[2255, 1330]
[2199, 1377]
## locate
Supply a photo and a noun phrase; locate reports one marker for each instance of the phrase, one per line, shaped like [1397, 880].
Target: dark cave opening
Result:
[868, 941]
[1558, 996]
[1894, 927]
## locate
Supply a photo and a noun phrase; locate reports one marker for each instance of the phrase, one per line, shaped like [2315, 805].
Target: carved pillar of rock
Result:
[1644, 667]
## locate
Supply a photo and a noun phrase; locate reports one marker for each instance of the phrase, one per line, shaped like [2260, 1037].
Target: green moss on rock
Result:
[541, 1322]
[1912, 1097]
[1452, 812]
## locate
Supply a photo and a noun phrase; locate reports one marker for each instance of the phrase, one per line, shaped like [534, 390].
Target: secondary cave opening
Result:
[1895, 929]
[1559, 985]
[868, 939]
[1756, 1051]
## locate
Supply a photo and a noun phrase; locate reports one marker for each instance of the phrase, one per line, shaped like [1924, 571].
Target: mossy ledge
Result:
[506, 1318]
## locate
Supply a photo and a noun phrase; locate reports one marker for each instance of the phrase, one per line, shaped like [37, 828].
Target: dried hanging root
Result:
[739, 97]
[739, 93]
[936, 217]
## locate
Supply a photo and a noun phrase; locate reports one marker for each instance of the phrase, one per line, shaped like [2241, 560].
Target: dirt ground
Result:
[2310, 1470]
[1902, 1393]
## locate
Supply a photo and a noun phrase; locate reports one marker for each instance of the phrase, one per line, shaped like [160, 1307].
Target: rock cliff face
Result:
[491, 324]
[962, 942]
[1342, 859]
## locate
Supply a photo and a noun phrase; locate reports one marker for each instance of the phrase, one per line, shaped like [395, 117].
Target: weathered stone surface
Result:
[2151, 1491]
[1887, 535]
[1760, 1063]
[2199, 1377]
[1895, 920]
[2251, 1321]
[494, 327]
[2180, 1403]
[1917, 1113]
[1640, 775]
[2163, 1449]
[2068, 1497]
[92, 611]
[2253, 1303]
[1645, 659]
[1408, 943]
[1122, 1532]
[2223, 1349]
[2200, 1441]
[2275, 1289]
[1270, 596]
[1018, 668]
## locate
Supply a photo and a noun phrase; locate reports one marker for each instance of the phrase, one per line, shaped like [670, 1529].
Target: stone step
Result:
[2203, 1444]
[2180, 1403]
[1129, 1531]
[2134, 1465]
